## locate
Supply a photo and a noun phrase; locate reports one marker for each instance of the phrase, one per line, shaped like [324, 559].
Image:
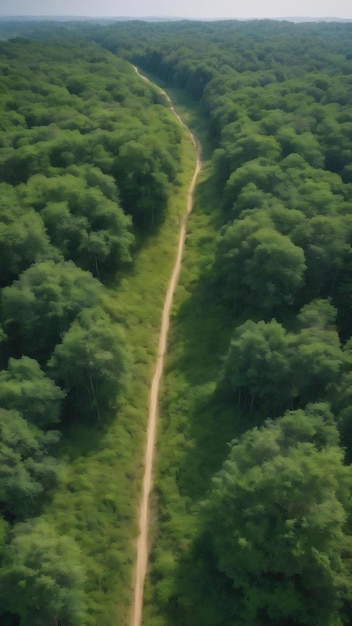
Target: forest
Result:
[87, 160]
[252, 499]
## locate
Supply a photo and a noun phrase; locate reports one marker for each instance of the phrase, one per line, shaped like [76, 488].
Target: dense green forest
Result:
[253, 483]
[267, 540]
[88, 156]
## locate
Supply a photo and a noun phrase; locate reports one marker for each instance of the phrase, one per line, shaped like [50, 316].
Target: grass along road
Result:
[142, 543]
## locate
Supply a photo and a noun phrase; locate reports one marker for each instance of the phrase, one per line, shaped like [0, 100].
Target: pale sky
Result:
[180, 8]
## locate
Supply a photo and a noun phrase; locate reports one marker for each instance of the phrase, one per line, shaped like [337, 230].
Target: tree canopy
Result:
[25, 388]
[43, 570]
[91, 362]
[284, 541]
[27, 471]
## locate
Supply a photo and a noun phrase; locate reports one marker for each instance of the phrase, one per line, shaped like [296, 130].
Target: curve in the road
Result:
[142, 543]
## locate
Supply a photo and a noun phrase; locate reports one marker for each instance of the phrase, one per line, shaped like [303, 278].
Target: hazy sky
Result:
[180, 8]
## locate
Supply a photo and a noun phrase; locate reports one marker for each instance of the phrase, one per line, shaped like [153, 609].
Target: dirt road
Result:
[142, 544]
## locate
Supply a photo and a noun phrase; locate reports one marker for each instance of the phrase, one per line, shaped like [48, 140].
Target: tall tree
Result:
[27, 471]
[42, 577]
[279, 516]
[257, 265]
[91, 362]
[258, 367]
[317, 359]
[25, 388]
[40, 306]
[23, 239]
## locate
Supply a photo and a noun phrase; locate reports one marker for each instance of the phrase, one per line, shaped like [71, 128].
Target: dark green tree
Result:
[317, 359]
[279, 516]
[258, 367]
[23, 239]
[257, 266]
[42, 579]
[40, 306]
[143, 180]
[83, 217]
[25, 388]
[26, 469]
[91, 362]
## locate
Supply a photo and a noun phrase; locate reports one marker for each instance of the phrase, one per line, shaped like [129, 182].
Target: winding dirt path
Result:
[142, 543]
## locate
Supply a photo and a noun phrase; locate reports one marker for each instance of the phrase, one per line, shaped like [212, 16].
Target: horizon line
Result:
[175, 17]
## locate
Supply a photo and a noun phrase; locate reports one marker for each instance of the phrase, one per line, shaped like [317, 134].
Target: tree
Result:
[40, 306]
[4, 529]
[23, 163]
[23, 239]
[258, 366]
[274, 273]
[251, 198]
[42, 577]
[141, 171]
[342, 399]
[325, 241]
[27, 471]
[25, 388]
[83, 217]
[304, 144]
[91, 362]
[317, 360]
[242, 142]
[258, 266]
[231, 253]
[278, 515]
[261, 172]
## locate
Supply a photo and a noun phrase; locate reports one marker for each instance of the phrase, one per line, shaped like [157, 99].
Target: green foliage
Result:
[4, 529]
[257, 266]
[83, 222]
[258, 366]
[54, 292]
[23, 239]
[69, 110]
[279, 118]
[270, 369]
[91, 362]
[97, 498]
[275, 110]
[317, 359]
[285, 491]
[25, 388]
[41, 577]
[27, 471]
[143, 171]
[84, 145]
